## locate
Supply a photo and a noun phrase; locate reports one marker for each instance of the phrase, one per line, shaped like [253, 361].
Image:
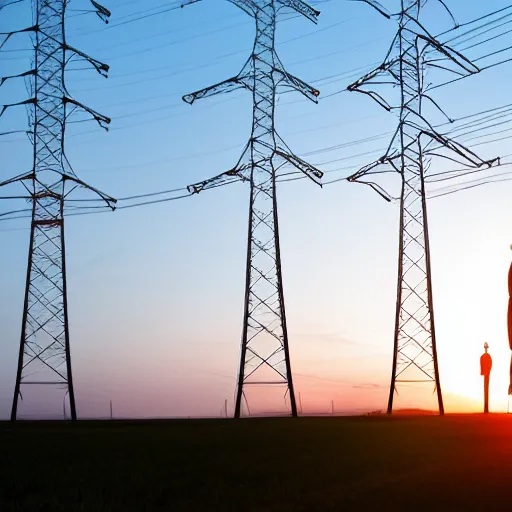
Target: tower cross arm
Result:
[224, 178]
[99, 118]
[238, 172]
[184, 3]
[27, 176]
[369, 169]
[78, 182]
[309, 170]
[449, 54]
[3, 108]
[7, 35]
[243, 79]
[431, 42]
[302, 8]
[457, 149]
[99, 66]
[20, 75]
[231, 84]
[369, 79]
[102, 12]
[298, 84]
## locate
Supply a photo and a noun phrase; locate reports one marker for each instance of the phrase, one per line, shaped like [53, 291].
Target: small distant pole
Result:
[226, 407]
[332, 406]
[110, 409]
[300, 402]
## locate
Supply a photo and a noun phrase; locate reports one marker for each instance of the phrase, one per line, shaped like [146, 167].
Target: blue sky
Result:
[155, 293]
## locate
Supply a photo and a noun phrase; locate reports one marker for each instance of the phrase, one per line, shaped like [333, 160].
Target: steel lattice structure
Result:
[413, 145]
[265, 357]
[44, 355]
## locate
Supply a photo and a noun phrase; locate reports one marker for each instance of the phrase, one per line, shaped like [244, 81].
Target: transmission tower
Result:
[409, 153]
[44, 358]
[265, 356]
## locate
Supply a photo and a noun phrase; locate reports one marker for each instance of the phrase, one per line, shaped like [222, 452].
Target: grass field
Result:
[319, 464]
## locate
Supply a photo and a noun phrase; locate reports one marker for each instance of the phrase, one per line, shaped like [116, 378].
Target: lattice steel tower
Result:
[44, 354]
[409, 154]
[265, 357]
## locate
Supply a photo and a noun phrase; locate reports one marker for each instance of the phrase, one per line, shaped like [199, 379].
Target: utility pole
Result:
[226, 407]
[44, 360]
[413, 50]
[300, 403]
[332, 407]
[111, 409]
[265, 356]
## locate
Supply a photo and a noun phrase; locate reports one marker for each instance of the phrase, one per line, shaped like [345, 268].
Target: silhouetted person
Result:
[485, 370]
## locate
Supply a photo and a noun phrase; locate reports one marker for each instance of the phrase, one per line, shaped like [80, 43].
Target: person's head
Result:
[486, 346]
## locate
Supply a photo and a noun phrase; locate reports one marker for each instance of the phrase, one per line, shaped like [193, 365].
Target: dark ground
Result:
[319, 464]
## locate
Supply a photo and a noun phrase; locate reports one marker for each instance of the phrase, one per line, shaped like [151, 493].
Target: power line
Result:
[175, 106]
[182, 189]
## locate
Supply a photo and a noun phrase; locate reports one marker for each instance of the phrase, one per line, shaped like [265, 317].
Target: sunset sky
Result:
[156, 293]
